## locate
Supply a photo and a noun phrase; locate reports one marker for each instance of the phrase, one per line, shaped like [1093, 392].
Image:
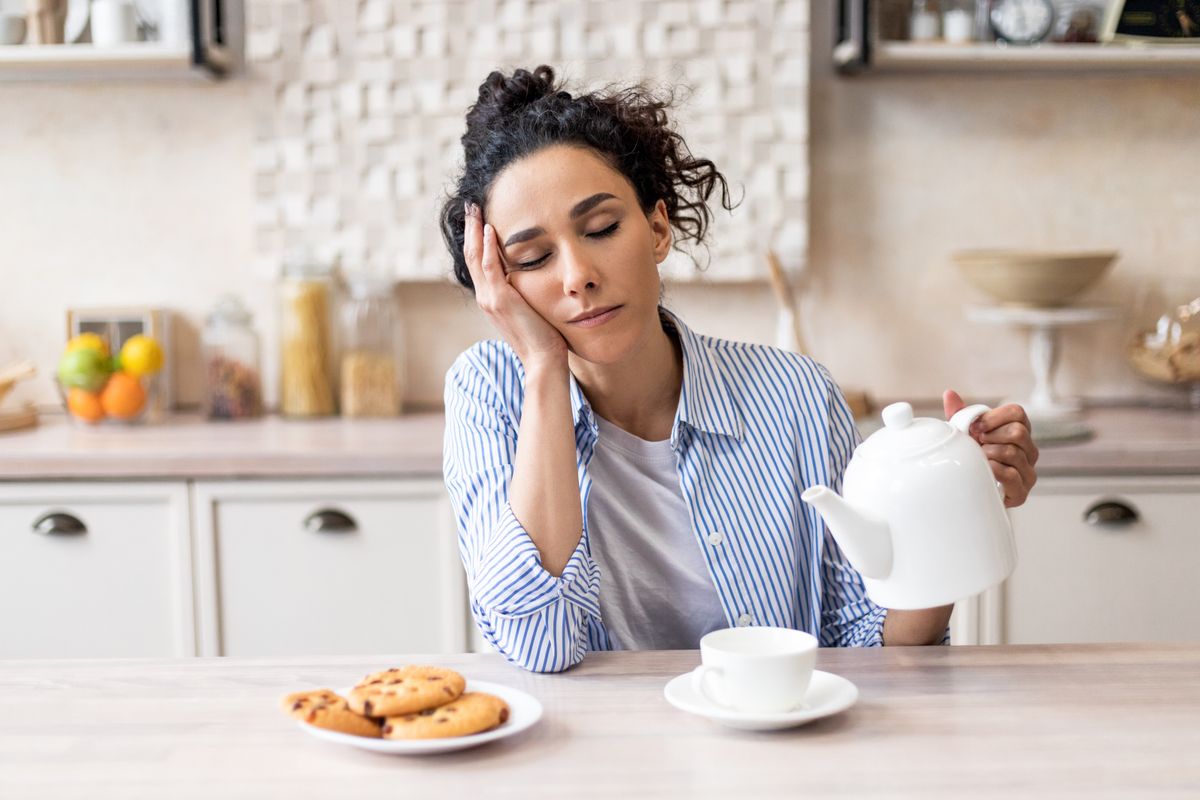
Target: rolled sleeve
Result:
[538, 621]
[848, 617]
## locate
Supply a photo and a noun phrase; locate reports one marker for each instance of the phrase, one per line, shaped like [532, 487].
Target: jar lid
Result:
[366, 285]
[230, 309]
[304, 263]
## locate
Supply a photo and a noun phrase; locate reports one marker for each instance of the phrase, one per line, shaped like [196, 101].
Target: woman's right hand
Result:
[534, 340]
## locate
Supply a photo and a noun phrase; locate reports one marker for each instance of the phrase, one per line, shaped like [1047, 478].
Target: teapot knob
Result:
[898, 415]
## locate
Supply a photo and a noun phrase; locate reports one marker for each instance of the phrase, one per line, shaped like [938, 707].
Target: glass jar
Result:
[958, 21]
[1164, 342]
[230, 349]
[306, 346]
[924, 24]
[371, 375]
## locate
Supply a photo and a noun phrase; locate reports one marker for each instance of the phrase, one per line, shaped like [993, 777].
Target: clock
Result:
[1022, 21]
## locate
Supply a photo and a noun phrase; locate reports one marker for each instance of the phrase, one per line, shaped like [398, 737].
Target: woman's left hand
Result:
[1006, 437]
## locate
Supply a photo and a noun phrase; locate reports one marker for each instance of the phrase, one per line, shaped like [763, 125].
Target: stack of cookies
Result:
[401, 703]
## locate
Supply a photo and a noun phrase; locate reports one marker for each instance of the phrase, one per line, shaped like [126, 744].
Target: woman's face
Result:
[580, 250]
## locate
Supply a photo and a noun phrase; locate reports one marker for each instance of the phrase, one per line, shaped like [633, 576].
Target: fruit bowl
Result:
[1033, 277]
[96, 387]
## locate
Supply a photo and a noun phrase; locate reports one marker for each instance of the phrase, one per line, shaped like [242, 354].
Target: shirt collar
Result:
[705, 400]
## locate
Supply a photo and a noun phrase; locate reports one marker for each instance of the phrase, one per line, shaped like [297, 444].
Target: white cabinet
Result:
[1131, 573]
[95, 569]
[327, 567]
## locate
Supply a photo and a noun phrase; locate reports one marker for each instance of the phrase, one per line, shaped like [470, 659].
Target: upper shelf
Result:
[890, 56]
[86, 61]
[204, 52]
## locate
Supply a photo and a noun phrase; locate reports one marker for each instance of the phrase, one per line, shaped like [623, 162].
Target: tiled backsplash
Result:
[360, 106]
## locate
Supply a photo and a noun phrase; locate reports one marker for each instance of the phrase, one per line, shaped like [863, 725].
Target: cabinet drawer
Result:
[95, 570]
[328, 567]
[1129, 579]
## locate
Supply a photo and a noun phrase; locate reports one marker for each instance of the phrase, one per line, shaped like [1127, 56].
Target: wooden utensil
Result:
[859, 402]
[786, 298]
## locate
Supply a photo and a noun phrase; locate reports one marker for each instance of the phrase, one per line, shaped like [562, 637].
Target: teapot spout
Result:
[865, 539]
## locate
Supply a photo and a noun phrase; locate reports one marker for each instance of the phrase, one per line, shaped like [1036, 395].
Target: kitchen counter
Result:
[1089, 721]
[1128, 441]
[188, 446]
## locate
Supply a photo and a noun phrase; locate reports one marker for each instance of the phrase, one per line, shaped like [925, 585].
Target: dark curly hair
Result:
[520, 114]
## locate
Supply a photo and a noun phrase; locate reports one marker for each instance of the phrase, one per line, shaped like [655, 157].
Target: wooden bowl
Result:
[1033, 277]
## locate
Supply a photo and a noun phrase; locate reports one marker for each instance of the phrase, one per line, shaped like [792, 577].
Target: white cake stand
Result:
[1054, 417]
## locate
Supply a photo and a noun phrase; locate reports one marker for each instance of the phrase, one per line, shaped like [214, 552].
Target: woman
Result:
[619, 480]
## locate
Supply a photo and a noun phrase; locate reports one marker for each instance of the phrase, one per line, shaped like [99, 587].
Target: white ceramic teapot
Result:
[922, 518]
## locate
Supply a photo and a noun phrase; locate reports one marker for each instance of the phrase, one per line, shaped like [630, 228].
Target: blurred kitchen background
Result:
[340, 133]
[160, 160]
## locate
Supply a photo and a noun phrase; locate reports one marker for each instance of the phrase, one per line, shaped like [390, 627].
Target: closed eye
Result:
[600, 234]
[609, 231]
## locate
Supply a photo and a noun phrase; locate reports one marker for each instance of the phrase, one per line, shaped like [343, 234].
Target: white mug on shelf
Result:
[174, 21]
[114, 22]
[756, 670]
[12, 28]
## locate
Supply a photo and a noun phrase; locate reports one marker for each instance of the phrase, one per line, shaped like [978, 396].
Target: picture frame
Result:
[1156, 21]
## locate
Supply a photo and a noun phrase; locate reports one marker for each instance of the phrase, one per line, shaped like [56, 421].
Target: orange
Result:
[85, 405]
[123, 396]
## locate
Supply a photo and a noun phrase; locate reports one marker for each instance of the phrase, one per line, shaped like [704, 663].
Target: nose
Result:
[579, 274]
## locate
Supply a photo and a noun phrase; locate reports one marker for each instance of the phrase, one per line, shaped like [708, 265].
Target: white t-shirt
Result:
[655, 589]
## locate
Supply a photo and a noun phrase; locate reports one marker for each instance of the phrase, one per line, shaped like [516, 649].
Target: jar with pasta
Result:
[307, 358]
[371, 376]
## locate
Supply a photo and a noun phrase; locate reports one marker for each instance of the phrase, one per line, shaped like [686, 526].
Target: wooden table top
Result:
[954, 722]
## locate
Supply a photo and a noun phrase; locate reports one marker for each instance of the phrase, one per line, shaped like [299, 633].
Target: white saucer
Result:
[827, 694]
[523, 711]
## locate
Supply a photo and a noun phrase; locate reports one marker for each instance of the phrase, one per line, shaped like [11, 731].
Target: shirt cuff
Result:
[868, 631]
[510, 581]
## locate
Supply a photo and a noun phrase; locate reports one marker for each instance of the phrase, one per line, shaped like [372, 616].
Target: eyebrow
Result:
[578, 210]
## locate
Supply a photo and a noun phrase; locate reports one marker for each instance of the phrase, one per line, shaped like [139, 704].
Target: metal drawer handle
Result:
[328, 520]
[58, 523]
[1110, 513]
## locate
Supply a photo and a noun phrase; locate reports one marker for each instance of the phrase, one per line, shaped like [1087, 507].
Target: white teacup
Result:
[756, 670]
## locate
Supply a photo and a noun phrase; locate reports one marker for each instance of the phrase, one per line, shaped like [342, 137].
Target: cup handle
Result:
[702, 677]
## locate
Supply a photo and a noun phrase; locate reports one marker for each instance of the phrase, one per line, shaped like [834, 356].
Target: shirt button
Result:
[744, 620]
[716, 537]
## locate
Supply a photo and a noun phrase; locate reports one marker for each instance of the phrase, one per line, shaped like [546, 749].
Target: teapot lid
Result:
[902, 435]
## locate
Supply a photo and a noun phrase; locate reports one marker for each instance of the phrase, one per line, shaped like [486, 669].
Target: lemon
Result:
[141, 355]
[88, 341]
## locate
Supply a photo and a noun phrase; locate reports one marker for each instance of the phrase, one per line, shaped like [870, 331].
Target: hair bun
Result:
[501, 95]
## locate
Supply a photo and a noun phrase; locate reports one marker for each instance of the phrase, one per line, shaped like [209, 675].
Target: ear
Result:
[660, 228]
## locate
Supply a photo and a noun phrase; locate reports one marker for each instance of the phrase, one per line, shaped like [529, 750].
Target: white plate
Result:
[523, 711]
[827, 694]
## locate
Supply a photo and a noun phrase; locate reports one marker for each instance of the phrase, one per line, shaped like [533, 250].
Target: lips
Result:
[595, 316]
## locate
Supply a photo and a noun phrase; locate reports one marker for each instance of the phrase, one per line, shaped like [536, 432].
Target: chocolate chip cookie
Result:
[326, 709]
[474, 712]
[405, 690]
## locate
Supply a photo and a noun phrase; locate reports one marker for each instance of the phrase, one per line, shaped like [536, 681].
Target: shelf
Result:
[941, 57]
[75, 62]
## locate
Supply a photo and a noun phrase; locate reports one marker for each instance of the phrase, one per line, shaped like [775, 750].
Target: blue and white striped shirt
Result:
[754, 428]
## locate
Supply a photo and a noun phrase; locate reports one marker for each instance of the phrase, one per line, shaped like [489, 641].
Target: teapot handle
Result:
[965, 416]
